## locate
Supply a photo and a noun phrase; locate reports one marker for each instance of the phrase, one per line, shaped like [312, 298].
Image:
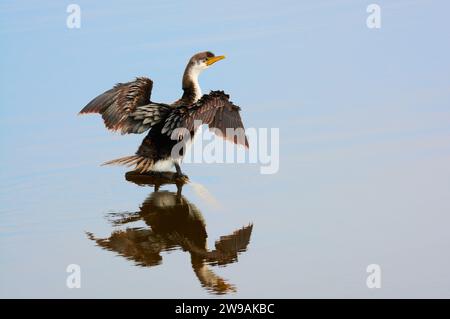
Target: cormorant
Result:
[127, 108]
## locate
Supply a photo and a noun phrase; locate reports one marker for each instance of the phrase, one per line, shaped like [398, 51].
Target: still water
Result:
[310, 230]
[364, 175]
[173, 223]
[231, 232]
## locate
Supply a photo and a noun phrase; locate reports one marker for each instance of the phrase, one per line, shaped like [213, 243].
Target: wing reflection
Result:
[174, 223]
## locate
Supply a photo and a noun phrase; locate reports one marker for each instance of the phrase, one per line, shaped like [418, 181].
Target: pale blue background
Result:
[364, 118]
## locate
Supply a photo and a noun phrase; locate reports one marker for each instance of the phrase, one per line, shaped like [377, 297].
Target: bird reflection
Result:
[173, 223]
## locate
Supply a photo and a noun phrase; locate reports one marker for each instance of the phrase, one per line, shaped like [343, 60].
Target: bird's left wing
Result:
[127, 107]
[214, 109]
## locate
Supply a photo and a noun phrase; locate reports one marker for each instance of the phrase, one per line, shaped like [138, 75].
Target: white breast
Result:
[163, 165]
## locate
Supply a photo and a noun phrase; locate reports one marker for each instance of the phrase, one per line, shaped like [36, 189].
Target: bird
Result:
[127, 108]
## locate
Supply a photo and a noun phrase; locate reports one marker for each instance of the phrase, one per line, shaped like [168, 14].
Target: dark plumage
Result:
[127, 108]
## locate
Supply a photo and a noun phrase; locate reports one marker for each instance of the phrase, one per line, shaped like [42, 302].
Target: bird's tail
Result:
[142, 164]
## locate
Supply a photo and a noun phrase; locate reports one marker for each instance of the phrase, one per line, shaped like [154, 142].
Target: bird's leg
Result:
[157, 187]
[178, 168]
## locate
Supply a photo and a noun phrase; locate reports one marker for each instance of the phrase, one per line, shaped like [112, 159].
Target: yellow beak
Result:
[214, 59]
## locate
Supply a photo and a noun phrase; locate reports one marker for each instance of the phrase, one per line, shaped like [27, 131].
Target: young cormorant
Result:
[127, 108]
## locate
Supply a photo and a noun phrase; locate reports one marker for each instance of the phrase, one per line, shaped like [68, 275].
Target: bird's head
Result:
[203, 60]
[196, 65]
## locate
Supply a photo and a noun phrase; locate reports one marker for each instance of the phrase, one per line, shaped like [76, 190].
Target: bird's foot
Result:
[181, 177]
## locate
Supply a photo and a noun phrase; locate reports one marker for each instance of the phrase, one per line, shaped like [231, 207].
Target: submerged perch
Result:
[157, 179]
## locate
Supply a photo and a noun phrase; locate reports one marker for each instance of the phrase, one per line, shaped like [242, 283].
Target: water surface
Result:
[364, 145]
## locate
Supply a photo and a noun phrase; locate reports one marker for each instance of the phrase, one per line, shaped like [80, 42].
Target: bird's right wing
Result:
[127, 108]
[214, 109]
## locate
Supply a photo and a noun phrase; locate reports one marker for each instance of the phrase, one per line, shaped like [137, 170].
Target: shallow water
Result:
[364, 151]
[271, 236]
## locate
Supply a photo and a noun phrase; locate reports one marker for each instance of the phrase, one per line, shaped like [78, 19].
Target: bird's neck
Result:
[191, 88]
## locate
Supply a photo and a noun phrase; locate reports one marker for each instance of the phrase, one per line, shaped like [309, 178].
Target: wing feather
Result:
[127, 107]
[215, 110]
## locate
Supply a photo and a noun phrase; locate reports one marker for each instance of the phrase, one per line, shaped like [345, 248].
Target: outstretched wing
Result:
[214, 109]
[127, 107]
